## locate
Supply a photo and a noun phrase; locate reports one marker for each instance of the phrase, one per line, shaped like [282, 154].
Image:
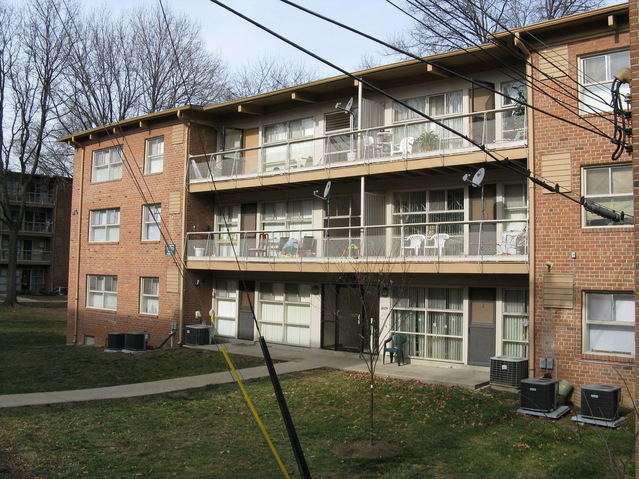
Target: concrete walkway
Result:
[293, 360]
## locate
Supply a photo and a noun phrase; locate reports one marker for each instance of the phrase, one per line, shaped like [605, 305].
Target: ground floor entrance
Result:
[350, 317]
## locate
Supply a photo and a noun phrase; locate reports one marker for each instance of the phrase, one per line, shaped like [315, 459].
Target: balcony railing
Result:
[32, 227]
[35, 255]
[33, 198]
[495, 240]
[494, 128]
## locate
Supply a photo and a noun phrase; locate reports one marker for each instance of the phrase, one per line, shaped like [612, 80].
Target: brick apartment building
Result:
[43, 240]
[336, 214]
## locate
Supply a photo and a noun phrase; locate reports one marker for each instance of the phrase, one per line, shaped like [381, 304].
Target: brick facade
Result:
[130, 258]
[602, 259]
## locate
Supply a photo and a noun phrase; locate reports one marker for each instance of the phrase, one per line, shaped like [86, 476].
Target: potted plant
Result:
[427, 141]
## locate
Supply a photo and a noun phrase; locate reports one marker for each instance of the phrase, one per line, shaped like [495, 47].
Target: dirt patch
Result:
[366, 450]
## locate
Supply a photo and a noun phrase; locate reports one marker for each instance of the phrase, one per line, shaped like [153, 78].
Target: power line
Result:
[600, 210]
[434, 64]
[559, 89]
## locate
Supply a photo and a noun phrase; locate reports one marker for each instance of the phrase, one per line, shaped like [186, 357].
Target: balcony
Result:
[28, 255]
[497, 129]
[477, 242]
[32, 198]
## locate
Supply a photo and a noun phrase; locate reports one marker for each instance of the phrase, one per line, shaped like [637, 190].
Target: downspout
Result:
[531, 210]
[76, 305]
[187, 140]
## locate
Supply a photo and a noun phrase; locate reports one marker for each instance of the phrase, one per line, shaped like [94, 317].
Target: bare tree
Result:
[267, 74]
[173, 64]
[33, 52]
[140, 62]
[442, 25]
[358, 293]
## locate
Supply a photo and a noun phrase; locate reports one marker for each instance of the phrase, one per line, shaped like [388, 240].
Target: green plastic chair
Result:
[397, 348]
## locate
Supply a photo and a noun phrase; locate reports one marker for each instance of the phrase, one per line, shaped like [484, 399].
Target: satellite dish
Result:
[348, 108]
[477, 178]
[349, 105]
[327, 190]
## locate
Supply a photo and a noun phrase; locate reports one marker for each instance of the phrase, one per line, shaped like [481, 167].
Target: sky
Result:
[237, 41]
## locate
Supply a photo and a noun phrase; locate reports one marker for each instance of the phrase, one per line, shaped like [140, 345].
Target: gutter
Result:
[76, 305]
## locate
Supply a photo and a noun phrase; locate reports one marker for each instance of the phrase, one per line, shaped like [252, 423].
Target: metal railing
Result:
[494, 128]
[35, 255]
[33, 198]
[494, 240]
[32, 227]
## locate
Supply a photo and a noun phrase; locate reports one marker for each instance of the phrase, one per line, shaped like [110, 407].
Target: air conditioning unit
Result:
[508, 371]
[135, 341]
[600, 402]
[197, 334]
[539, 394]
[116, 341]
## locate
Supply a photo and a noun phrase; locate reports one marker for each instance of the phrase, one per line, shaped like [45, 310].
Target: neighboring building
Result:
[401, 241]
[43, 242]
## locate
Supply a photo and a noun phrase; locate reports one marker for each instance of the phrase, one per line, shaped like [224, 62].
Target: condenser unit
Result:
[116, 341]
[136, 341]
[600, 402]
[508, 371]
[538, 394]
[197, 334]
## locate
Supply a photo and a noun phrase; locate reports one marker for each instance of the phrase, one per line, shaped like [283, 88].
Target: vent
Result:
[197, 334]
[600, 402]
[337, 121]
[539, 394]
[507, 371]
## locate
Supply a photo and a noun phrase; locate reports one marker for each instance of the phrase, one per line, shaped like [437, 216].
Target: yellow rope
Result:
[254, 411]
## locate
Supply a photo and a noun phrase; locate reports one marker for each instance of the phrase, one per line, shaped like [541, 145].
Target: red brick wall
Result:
[604, 259]
[130, 258]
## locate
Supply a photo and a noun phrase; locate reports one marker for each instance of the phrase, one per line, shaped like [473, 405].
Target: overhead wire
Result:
[555, 86]
[439, 66]
[581, 90]
[597, 209]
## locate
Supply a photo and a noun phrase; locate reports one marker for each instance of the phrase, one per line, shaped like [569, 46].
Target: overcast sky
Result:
[238, 41]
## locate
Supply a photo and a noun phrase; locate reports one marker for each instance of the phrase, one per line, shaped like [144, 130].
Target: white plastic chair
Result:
[438, 242]
[415, 242]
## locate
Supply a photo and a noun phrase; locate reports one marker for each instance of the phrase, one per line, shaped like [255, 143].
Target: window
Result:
[290, 152]
[440, 105]
[151, 219]
[107, 164]
[149, 295]
[434, 206]
[515, 207]
[104, 225]
[596, 77]
[433, 320]
[513, 119]
[515, 323]
[102, 292]
[609, 186]
[609, 323]
[291, 215]
[226, 307]
[285, 313]
[154, 156]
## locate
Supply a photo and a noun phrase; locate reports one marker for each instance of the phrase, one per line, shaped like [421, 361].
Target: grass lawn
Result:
[35, 358]
[443, 432]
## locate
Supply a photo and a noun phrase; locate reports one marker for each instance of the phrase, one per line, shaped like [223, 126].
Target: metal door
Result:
[481, 330]
[246, 324]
